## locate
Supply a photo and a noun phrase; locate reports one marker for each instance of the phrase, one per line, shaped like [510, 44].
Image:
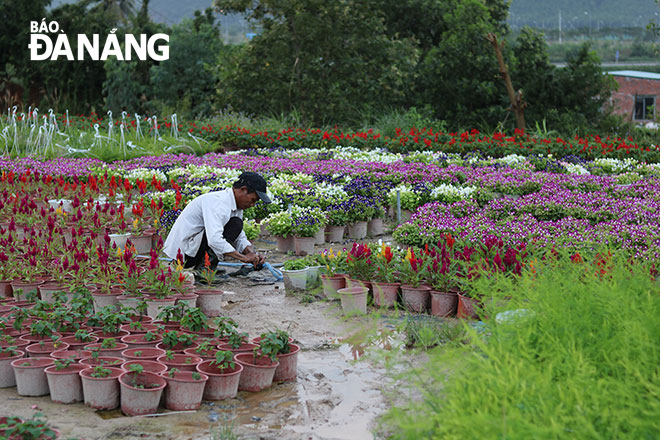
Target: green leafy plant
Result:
[196, 376]
[172, 372]
[109, 343]
[295, 264]
[237, 339]
[271, 345]
[34, 428]
[83, 336]
[100, 371]
[61, 364]
[225, 326]
[194, 320]
[223, 360]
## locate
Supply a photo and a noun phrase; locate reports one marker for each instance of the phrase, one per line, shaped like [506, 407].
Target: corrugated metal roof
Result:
[635, 74]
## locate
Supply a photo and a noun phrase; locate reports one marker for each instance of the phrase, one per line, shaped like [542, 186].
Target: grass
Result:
[582, 361]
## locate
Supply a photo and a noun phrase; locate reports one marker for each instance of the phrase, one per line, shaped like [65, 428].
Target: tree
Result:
[328, 61]
[186, 82]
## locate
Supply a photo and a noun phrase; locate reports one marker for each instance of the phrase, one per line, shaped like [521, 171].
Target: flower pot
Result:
[75, 343]
[351, 282]
[139, 340]
[222, 384]
[102, 300]
[150, 366]
[288, 368]
[101, 392]
[385, 294]
[65, 385]
[119, 240]
[353, 300]
[5, 289]
[180, 361]
[375, 227]
[178, 348]
[467, 307]
[331, 284]
[47, 292]
[75, 355]
[103, 335]
[183, 392]
[7, 377]
[243, 348]
[443, 303]
[146, 354]
[285, 244]
[334, 234]
[295, 280]
[206, 355]
[190, 299]
[31, 378]
[109, 361]
[20, 289]
[156, 305]
[319, 237]
[357, 230]
[258, 372]
[142, 243]
[44, 350]
[415, 299]
[130, 302]
[304, 245]
[209, 299]
[136, 329]
[140, 393]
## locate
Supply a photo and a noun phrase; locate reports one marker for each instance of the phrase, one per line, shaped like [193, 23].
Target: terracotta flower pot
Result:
[385, 294]
[334, 234]
[209, 299]
[30, 376]
[102, 300]
[142, 243]
[375, 227]
[183, 391]
[222, 384]
[155, 305]
[75, 343]
[258, 372]
[415, 299]
[101, 392]
[331, 284]
[353, 299]
[75, 355]
[114, 351]
[20, 289]
[65, 385]
[244, 348]
[357, 230]
[109, 361]
[287, 371]
[146, 354]
[304, 245]
[443, 303]
[467, 307]
[7, 377]
[45, 349]
[285, 244]
[180, 361]
[150, 366]
[140, 393]
[206, 355]
[139, 340]
[319, 237]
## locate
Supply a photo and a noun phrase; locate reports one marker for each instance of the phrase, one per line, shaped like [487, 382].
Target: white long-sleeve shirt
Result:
[209, 212]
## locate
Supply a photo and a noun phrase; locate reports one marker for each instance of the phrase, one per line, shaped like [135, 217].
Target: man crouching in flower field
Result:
[213, 223]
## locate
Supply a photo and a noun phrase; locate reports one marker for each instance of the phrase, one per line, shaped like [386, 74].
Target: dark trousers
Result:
[232, 230]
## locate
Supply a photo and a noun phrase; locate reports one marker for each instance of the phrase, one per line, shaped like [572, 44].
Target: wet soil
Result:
[332, 398]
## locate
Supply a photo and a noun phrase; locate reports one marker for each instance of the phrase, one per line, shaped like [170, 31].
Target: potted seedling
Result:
[101, 387]
[238, 343]
[140, 391]
[209, 298]
[205, 350]
[224, 375]
[194, 321]
[180, 361]
[7, 355]
[277, 345]
[30, 376]
[184, 389]
[31, 429]
[258, 370]
[64, 381]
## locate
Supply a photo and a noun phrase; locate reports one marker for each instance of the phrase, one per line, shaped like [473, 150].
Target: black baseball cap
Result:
[254, 182]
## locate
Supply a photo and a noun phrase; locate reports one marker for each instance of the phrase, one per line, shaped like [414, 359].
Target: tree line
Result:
[328, 62]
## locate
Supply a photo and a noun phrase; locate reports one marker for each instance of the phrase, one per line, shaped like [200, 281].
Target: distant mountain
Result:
[582, 13]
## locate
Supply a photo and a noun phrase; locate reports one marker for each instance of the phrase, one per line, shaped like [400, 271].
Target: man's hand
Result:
[255, 259]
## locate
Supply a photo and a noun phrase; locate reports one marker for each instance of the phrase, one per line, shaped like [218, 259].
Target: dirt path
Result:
[333, 398]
